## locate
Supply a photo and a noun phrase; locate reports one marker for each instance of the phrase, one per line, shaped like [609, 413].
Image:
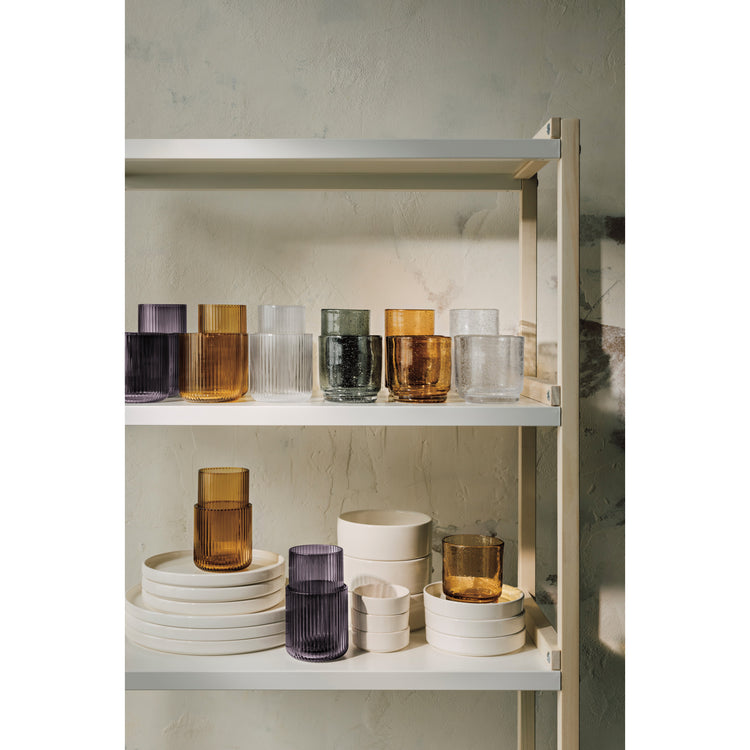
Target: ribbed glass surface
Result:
[316, 562]
[489, 368]
[350, 367]
[473, 567]
[281, 319]
[317, 622]
[211, 366]
[146, 367]
[419, 367]
[226, 319]
[162, 318]
[280, 366]
[409, 322]
[222, 536]
[229, 485]
[344, 322]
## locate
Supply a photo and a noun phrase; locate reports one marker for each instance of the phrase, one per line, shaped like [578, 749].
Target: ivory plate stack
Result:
[182, 609]
[469, 629]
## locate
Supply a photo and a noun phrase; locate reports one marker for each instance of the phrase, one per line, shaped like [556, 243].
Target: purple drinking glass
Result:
[316, 562]
[146, 367]
[170, 319]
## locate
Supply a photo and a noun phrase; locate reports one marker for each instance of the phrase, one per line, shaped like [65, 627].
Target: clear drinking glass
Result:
[473, 567]
[418, 368]
[281, 355]
[172, 320]
[146, 367]
[489, 368]
[211, 366]
[467, 321]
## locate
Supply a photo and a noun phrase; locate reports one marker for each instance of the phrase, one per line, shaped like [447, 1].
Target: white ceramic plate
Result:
[384, 534]
[510, 604]
[380, 599]
[379, 623]
[454, 644]
[474, 628]
[413, 574]
[380, 642]
[206, 648]
[245, 606]
[213, 593]
[203, 634]
[135, 606]
[178, 569]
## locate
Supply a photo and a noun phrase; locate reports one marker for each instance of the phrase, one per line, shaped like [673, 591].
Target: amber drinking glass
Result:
[223, 519]
[211, 366]
[418, 368]
[409, 322]
[472, 567]
[226, 319]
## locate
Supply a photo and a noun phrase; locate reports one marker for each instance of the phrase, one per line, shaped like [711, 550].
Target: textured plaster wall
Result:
[387, 69]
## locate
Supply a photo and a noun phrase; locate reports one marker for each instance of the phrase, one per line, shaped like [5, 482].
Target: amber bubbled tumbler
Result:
[472, 567]
[222, 531]
[419, 367]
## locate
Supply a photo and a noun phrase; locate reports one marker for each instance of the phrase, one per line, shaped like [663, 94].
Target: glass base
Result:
[490, 398]
[282, 397]
[144, 397]
[420, 397]
[210, 398]
[350, 395]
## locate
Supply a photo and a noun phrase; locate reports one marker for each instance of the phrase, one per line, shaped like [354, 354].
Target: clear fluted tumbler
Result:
[489, 368]
[146, 367]
[419, 368]
[172, 320]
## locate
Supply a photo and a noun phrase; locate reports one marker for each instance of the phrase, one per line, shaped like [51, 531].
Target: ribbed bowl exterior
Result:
[281, 319]
[280, 366]
[489, 368]
[316, 562]
[419, 368]
[211, 366]
[224, 484]
[350, 367]
[317, 621]
[146, 367]
[222, 536]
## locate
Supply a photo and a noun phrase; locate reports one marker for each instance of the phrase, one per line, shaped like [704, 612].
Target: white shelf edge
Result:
[418, 667]
[176, 412]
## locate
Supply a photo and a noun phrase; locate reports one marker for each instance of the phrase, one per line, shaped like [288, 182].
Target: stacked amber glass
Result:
[223, 516]
[213, 362]
[418, 363]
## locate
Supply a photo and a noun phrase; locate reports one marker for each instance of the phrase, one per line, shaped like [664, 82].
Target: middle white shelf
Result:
[523, 413]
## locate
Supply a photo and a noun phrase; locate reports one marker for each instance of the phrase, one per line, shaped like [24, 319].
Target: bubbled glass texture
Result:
[489, 368]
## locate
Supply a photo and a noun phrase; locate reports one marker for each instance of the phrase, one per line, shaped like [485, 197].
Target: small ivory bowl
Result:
[380, 599]
[379, 623]
[412, 574]
[384, 534]
[475, 628]
[380, 642]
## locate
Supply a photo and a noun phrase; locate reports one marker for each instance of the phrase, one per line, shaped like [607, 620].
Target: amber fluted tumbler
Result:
[226, 319]
[211, 366]
[418, 368]
[223, 518]
[472, 567]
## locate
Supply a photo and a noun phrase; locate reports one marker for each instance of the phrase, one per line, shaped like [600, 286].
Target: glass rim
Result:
[316, 549]
[344, 309]
[497, 336]
[336, 592]
[223, 470]
[193, 334]
[237, 506]
[486, 541]
[263, 333]
[420, 336]
[148, 333]
[349, 336]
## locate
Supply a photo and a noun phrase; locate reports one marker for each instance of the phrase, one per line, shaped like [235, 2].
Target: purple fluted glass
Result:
[317, 620]
[316, 562]
[171, 319]
[146, 367]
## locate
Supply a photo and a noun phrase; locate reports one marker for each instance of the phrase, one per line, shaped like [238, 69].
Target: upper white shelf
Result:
[417, 667]
[320, 163]
[523, 413]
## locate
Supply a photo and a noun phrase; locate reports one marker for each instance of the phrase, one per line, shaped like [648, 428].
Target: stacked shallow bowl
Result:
[474, 629]
[380, 617]
[388, 547]
[181, 609]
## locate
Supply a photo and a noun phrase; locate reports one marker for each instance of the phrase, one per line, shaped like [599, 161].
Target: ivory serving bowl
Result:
[412, 574]
[380, 599]
[416, 612]
[474, 628]
[384, 534]
[476, 646]
[379, 623]
[510, 604]
[380, 642]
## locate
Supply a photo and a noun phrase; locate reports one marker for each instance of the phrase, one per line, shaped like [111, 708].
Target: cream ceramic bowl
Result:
[455, 644]
[510, 604]
[474, 628]
[412, 574]
[380, 642]
[384, 534]
[379, 623]
[416, 612]
[380, 599]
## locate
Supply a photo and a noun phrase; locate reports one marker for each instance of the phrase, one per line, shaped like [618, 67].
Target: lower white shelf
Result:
[417, 667]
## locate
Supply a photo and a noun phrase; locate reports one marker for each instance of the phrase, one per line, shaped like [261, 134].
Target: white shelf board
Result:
[319, 163]
[417, 667]
[453, 413]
